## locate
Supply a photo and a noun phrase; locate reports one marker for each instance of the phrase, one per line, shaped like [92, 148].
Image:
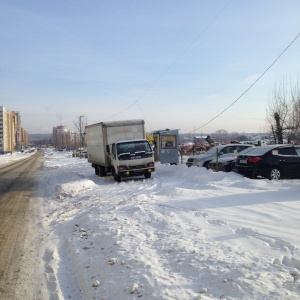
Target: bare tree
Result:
[222, 135]
[80, 124]
[283, 113]
[294, 132]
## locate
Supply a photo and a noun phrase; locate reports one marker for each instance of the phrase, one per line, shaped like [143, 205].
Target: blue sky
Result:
[176, 64]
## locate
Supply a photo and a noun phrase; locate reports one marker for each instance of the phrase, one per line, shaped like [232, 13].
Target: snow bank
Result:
[6, 158]
[186, 233]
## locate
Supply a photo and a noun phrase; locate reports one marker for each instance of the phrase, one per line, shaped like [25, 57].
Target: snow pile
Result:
[74, 188]
[187, 233]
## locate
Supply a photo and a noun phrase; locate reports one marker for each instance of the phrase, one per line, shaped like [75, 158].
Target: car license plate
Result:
[243, 161]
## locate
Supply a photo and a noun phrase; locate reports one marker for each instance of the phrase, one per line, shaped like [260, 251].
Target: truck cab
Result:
[131, 158]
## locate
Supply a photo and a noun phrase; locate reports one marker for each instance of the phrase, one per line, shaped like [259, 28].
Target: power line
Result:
[173, 62]
[249, 86]
[126, 108]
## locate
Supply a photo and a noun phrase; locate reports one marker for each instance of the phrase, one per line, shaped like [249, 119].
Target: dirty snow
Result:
[186, 233]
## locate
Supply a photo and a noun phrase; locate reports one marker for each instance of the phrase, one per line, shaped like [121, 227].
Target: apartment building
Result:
[74, 140]
[59, 135]
[12, 135]
[64, 139]
[6, 143]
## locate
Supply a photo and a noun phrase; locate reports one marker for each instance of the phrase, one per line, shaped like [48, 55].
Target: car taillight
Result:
[254, 159]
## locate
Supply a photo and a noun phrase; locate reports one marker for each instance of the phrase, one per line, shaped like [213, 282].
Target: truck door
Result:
[112, 153]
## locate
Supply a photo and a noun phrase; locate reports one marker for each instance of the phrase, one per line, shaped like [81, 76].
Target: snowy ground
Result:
[187, 233]
[7, 158]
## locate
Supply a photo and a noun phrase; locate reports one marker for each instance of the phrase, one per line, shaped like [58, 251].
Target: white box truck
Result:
[119, 148]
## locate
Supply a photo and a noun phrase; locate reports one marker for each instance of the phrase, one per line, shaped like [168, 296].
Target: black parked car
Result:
[272, 162]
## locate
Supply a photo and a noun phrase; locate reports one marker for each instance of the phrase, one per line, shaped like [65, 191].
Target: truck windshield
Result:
[133, 150]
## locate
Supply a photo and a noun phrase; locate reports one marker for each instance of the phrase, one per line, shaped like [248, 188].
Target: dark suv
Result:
[273, 162]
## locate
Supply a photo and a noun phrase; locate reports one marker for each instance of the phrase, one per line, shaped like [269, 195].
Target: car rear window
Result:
[247, 150]
[241, 148]
[258, 150]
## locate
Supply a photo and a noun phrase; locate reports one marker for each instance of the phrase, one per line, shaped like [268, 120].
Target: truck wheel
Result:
[116, 176]
[147, 175]
[102, 172]
[97, 170]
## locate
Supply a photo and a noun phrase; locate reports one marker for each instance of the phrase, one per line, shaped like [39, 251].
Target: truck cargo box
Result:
[99, 135]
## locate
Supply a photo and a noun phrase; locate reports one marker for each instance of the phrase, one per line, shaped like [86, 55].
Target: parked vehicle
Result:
[226, 163]
[272, 162]
[119, 148]
[202, 160]
[187, 147]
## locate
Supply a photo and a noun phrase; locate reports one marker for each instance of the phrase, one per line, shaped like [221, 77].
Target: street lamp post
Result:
[80, 129]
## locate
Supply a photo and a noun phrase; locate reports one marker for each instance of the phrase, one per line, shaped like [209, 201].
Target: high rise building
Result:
[64, 139]
[60, 137]
[18, 130]
[12, 135]
[6, 135]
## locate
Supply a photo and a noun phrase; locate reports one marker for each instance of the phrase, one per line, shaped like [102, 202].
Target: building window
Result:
[168, 141]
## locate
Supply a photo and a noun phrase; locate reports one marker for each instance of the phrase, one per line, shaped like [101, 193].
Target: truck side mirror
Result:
[107, 149]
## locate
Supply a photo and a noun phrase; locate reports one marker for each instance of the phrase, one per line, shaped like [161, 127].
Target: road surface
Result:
[19, 238]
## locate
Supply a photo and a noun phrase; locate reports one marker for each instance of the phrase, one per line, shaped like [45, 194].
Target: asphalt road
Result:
[19, 217]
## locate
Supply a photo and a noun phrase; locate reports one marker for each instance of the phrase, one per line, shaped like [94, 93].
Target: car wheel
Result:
[274, 174]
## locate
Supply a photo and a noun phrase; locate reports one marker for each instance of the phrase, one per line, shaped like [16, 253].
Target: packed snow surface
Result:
[186, 233]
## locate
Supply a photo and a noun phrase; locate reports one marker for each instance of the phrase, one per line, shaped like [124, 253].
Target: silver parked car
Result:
[226, 163]
[202, 160]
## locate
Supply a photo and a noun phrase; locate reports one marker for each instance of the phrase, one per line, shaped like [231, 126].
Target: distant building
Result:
[64, 139]
[6, 135]
[74, 140]
[12, 135]
[60, 137]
